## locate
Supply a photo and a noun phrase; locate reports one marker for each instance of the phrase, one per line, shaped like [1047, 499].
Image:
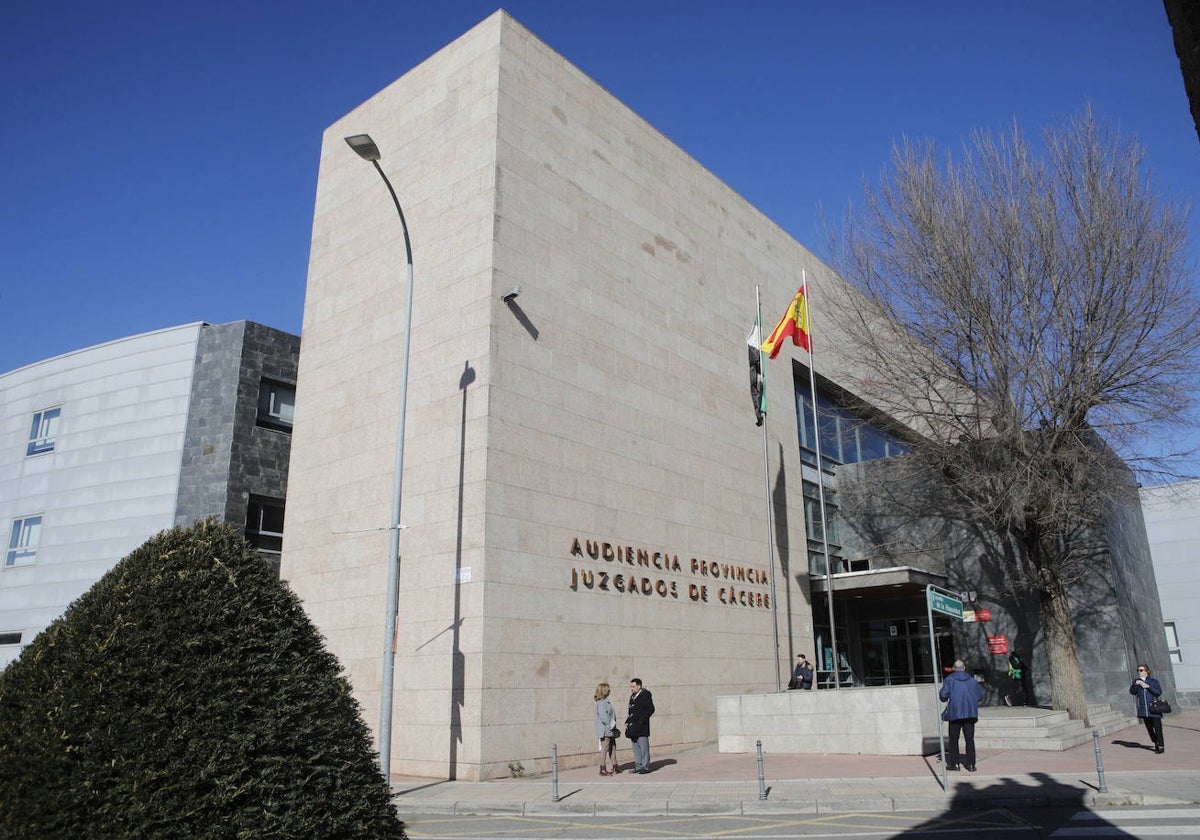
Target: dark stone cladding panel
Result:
[227, 457]
[208, 441]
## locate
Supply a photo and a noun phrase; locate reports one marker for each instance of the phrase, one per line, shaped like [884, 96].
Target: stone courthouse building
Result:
[585, 495]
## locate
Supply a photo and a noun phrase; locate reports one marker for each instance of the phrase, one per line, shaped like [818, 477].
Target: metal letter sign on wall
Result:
[945, 604]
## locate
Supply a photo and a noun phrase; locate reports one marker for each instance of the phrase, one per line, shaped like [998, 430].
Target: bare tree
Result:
[1031, 314]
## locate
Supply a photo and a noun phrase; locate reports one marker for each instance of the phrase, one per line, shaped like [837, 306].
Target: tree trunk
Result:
[1066, 680]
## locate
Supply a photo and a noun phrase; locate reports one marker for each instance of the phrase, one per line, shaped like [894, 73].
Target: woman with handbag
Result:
[606, 730]
[1146, 689]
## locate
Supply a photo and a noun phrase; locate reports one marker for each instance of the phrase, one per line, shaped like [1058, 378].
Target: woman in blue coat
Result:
[961, 693]
[1145, 688]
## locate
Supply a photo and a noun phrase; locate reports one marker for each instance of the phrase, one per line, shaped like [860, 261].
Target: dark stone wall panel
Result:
[227, 456]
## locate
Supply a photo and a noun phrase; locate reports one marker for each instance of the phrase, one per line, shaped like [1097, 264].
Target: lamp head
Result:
[364, 146]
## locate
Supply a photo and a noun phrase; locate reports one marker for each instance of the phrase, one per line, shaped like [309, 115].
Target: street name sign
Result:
[945, 604]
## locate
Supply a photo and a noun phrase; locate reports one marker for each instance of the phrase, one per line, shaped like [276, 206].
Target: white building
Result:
[1172, 515]
[104, 447]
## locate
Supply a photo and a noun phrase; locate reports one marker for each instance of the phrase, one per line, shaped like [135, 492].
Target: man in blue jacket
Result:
[961, 693]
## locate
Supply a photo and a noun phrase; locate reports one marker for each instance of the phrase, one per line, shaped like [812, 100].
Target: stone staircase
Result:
[1023, 728]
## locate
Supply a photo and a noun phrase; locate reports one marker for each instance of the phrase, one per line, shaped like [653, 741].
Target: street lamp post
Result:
[367, 150]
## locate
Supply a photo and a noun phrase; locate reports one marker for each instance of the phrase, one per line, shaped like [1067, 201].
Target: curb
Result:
[660, 807]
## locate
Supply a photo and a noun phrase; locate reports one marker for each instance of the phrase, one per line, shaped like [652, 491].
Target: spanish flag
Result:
[794, 323]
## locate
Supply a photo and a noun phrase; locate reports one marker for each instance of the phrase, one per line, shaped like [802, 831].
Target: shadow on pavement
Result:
[991, 806]
[933, 763]
[1171, 724]
[398, 789]
[1132, 745]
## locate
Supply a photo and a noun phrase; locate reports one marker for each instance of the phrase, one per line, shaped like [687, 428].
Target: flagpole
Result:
[770, 513]
[812, 384]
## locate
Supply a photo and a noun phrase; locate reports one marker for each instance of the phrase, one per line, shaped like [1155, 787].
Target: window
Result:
[1173, 649]
[845, 437]
[264, 524]
[43, 431]
[10, 638]
[276, 405]
[815, 521]
[23, 544]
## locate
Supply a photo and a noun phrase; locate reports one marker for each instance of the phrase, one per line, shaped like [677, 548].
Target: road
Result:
[997, 824]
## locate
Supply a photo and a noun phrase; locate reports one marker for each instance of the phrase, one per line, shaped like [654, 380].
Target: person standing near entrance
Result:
[802, 674]
[1018, 671]
[637, 724]
[1145, 688]
[961, 694]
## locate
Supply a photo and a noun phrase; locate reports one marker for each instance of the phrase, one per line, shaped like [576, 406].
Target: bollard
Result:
[1099, 760]
[762, 781]
[554, 772]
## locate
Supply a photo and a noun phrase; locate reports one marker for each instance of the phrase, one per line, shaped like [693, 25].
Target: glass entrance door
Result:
[896, 651]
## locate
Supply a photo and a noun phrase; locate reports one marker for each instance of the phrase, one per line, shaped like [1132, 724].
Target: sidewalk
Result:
[703, 781]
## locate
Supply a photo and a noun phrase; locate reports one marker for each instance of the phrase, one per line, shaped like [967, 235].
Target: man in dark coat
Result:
[802, 674]
[637, 725]
[961, 693]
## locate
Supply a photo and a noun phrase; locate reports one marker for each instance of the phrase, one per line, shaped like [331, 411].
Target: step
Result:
[1106, 720]
[1024, 728]
[1045, 744]
[1118, 724]
[1060, 729]
[1018, 717]
[1060, 739]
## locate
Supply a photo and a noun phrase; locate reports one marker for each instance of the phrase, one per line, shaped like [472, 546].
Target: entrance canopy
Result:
[883, 634]
[887, 583]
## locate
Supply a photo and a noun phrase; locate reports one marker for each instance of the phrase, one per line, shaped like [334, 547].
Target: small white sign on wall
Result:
[463, 575]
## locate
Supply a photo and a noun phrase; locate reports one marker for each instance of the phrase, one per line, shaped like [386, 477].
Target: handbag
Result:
[1159, 706]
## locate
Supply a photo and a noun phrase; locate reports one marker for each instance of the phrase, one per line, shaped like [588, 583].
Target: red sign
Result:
[997, 645]
[983, 615]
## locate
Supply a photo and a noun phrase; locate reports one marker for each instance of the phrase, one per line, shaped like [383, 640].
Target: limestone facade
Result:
[584, 493]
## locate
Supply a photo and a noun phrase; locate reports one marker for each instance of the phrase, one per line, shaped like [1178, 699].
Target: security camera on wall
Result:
[511, 294]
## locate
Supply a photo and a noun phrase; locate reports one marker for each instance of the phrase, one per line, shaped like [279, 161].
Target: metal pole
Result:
[770, 516]
[762, 779]
[393, 565]
[937, 700]
[812, 384]
[1099, 760]
[554, 772]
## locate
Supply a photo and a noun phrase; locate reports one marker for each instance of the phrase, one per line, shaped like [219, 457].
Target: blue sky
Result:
[158, 160]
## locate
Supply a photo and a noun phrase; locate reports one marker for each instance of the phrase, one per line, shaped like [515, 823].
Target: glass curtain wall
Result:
[845, 436]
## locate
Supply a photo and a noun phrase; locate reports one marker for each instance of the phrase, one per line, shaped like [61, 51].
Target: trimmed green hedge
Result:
[186, 694]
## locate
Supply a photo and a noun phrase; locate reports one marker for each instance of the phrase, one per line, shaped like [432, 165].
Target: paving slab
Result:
[702, 781]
